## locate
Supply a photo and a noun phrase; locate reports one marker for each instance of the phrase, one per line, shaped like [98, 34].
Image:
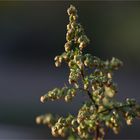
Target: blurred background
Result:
[33, 33]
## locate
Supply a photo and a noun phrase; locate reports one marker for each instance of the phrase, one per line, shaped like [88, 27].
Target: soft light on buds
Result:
[42, 99]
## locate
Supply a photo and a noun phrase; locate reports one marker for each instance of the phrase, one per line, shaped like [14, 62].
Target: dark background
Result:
[33, 33]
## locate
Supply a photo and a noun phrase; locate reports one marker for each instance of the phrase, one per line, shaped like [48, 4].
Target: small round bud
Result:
[67, 46]
[129, 120]
[116, 130]
[68, 26]
[65, 57]
[68, 37]
[73, 92]
[71, 63]
[86, 86]
[80, 40]
[71, 10]
[109, 75]
[75, 17]
[86, 62]
[94, 87]
[109, 92]
[60, 59]
[74, 122]
[42, 99]
[54, 132]
[57, 63]
[56, 58]
[105, 101]
[62, 132]
[48, 118]
[67, 98]
[39, 119]
[82, 45]
[73, 25]
[80, 64]
[107, 123]
[79, 129]
[102, 131]
[76, 85]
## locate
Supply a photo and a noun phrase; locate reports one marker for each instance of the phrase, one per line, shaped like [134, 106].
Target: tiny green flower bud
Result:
[80, 39]
[39, 119]
[79, 129]
[116, 130]
[69, 26]
[73, 92]
[129, 120]
[75, 17]
[94, 87]
[101, 130]
[74, 122]
[43, 98]
[107, 123]
[71, 10]
[62, 132]
[109, 92]
[105, 101]
[60, 59]
[86, 62]
[82, 45]
[48, 118]
[109, 75]
[57, 63]
[71, 63]
[67, 98]
[76, 85]
[54, 132]
[68, 37]
[101, 108]
[73, 25]
[67, 46]
[86, 86]
[80, 64]
[56, 58]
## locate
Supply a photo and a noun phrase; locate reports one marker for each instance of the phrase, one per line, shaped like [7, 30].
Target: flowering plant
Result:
[101, 111]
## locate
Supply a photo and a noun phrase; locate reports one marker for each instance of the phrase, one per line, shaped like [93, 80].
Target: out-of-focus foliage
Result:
[102, 111]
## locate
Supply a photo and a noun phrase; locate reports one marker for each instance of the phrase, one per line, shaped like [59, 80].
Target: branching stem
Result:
[118, 107]
[88, 92]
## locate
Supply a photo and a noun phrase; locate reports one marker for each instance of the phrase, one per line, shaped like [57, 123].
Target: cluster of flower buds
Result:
[115, 63]
[88, 121]
[60, 128]
[58, 61]
[74, 75]
[75, 31]
[86, 124]
[46, 119]
[66, 93]
[102, 110]
[103, 89]
[112, 121]
[63, 126]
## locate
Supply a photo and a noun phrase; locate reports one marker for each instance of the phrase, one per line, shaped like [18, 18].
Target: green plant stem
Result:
[110, 109]
[88, 92]
[97, 134]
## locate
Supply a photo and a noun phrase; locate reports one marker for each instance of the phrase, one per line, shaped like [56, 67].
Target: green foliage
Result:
[102, 111]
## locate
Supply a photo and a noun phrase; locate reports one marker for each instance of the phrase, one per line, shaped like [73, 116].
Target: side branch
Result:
[119, 107]
[88, 92]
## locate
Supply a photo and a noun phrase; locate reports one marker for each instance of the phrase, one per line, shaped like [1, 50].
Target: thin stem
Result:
[110, 109]
[97, 133]
[88, 92]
